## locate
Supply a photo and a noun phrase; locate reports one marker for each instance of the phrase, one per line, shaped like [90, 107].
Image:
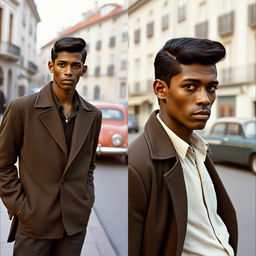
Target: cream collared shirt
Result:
[206, 234]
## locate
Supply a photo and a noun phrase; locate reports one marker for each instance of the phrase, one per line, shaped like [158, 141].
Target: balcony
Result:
[9, 52]
[32, 67]
[201, 30]
[238, 75]
[111, 70]
[226, 24]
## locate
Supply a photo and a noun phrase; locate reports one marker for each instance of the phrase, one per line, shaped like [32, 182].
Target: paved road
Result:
[241, 186]
[111, 204]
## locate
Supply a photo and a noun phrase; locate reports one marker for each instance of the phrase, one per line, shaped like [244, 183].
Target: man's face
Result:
[67, 69]
[188, 100]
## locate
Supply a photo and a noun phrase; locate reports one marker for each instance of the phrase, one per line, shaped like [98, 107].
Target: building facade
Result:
[105, 31]
[232, 22]
[18, 35]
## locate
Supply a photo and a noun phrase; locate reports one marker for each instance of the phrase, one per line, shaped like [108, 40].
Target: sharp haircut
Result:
[69, 44]
[186, 50]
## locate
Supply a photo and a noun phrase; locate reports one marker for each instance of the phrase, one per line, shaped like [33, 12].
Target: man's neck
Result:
[64, 96]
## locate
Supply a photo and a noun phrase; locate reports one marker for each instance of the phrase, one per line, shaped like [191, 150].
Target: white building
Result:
[105, 31]
[18, 26]
[232, 22]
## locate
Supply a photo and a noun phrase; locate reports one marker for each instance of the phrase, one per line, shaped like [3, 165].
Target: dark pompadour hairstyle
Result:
[186, 50]
[69, 44]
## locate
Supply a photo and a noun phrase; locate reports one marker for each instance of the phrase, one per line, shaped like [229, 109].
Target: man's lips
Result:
[202, 115]
[68, 81]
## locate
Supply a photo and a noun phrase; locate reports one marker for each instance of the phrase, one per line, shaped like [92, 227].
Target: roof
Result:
[94, 18]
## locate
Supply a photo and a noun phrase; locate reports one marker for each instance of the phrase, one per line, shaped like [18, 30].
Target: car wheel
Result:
[253, 163]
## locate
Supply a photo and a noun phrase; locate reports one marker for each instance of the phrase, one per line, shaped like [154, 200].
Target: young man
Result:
[177, 203]
[54, 133]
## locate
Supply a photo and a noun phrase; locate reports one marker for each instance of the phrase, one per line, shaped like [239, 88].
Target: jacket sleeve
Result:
[137, 208]
[95, 144]
[11, 137]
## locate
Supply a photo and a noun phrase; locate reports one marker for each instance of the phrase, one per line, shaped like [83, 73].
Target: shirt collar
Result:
[181, 146]
[59, 105]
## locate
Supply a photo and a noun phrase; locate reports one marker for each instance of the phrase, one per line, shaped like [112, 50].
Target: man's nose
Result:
[68, 70]
[203, 97]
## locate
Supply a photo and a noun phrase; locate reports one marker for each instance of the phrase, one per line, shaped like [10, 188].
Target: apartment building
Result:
[232, 22]
[105, 31]
[18, 35]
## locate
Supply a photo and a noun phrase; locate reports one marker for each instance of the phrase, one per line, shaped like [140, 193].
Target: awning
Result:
[138, 100]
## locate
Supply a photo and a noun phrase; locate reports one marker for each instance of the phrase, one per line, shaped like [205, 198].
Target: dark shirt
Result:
[67, 123]
[2, 102]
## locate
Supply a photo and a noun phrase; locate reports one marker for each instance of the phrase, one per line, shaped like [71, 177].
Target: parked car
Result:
[233, 140]
[132, 123]
[113, 139]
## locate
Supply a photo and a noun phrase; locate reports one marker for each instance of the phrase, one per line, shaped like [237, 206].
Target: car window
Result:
[218, 129]
[234, 130]
[250, 129]
[112, 114]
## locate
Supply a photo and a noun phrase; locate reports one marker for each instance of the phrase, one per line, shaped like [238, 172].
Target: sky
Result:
[56, 15]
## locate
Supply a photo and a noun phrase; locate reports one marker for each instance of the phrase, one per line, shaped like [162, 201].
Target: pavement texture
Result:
[96, 241]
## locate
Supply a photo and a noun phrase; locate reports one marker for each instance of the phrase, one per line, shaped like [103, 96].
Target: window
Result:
[98, 45]
[252, 15]
[125, 35]
[234, 130]
[201, 30]
[112, 114]
[226, 106]
[226, 24]
[182, 5]
[123, 89]
[96, 95]
[112, 41]
[218, 129]
[150, 29]
[165, 16]
[85, 91]
[10, 28]
[1, 21]
[137, 36]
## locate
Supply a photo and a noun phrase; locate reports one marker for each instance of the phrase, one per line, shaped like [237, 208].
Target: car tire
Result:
[253, 163]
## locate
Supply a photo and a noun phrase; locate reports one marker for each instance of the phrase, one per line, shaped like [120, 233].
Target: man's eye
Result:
[212, 88]
[77, 66]
[61, 65]
[189, 86]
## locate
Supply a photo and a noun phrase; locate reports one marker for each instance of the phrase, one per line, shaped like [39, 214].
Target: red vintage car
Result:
[113, 139]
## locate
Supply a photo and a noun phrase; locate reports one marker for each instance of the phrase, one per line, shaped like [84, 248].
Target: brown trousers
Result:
[68, 245]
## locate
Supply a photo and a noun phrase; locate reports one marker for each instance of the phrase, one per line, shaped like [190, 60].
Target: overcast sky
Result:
[57, 15]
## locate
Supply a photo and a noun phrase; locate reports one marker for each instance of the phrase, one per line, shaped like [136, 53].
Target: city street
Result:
[111, 203]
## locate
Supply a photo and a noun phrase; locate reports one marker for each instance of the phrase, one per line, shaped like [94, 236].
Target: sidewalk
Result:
[96, 241]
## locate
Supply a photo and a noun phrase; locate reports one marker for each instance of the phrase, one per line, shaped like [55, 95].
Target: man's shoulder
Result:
[89, 106]
[138, 151]
[25, 100]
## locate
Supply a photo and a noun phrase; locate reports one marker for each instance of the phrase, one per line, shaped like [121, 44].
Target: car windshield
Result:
[112, 114]
[250, 129]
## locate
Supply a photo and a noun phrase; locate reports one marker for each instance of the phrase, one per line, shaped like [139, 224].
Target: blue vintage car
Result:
[233, 140]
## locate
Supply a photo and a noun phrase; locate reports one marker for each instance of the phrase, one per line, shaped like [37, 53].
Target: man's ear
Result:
[84, 70]
[160, 89]
[50, 66]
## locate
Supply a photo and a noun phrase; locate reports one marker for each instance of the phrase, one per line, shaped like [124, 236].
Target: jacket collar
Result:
[160, 145]
[45, 99]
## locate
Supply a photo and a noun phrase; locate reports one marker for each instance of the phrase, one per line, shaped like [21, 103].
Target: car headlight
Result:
[116, 139]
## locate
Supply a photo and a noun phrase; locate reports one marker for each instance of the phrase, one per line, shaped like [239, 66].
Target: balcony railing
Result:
[9, 51]
[32, 67]
[238, 75]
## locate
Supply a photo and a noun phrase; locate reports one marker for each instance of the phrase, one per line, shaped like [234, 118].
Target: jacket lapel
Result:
[83, 122]
[162, 149]
[49, 116]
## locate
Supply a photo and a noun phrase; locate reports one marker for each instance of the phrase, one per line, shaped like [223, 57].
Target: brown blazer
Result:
[54, 190]
[157, 196]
